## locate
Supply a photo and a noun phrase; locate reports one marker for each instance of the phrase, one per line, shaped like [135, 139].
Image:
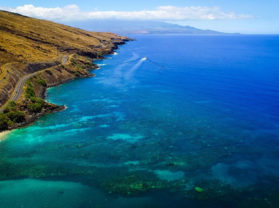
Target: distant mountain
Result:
[138, 27]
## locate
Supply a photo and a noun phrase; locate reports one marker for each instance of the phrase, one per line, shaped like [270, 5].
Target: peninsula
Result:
[36, 54]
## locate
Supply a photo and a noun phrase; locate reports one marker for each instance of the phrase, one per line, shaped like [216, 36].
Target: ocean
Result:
[168, 121]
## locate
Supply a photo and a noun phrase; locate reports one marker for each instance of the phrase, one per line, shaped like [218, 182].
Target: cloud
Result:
[165, 13]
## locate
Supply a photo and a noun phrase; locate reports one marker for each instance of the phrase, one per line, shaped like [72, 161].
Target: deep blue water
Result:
[170, 121]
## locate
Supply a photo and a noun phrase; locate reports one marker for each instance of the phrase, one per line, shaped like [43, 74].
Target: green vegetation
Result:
[16, 116]
[34, 107]
[4, 122]
[30, 91]
[10, 107]
[11, 116]
[41, 82]
[37, 100]
[77, 74]
[35, 104]
[74, 62]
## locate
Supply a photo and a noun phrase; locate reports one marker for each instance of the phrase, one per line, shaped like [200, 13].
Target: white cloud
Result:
[166, 13]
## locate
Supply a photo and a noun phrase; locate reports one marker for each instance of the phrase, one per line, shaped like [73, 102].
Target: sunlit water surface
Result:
[169, 121]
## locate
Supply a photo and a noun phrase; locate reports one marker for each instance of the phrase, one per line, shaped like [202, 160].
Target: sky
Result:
[243, 16]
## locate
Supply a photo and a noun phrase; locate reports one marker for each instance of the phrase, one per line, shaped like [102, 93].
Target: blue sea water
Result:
[168, 121]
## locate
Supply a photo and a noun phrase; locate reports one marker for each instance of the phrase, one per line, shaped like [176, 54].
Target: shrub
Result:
[30, 92]
[16, 116]
[10, 107]
[10, 123]
[37, 100]
[34, 107]
[12, 104]
[4, 120]
[42, 82]
[74, 62]
[77, 73]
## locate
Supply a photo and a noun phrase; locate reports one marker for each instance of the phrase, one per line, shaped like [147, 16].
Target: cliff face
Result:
[44, 54]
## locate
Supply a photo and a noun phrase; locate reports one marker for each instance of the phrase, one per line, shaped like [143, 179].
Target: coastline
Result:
[3, 135]
[52, 108]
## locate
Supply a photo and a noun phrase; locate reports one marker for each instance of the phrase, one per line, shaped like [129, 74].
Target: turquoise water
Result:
[169, 121]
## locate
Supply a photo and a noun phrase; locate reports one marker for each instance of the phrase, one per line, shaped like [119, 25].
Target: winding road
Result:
[19, 86]
[18, 89]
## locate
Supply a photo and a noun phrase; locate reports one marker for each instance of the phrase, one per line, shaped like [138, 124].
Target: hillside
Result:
[35, 54]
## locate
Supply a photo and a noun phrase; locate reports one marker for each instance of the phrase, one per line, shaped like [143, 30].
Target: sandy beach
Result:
[3, 135]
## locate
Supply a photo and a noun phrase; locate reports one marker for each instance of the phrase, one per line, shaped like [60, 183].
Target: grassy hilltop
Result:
[47, 54]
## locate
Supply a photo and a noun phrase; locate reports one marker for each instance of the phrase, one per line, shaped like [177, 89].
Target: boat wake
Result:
[130, 74]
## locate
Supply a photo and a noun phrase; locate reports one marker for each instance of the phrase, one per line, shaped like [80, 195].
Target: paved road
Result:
[19, 86]
[64, 59]
[18, 89]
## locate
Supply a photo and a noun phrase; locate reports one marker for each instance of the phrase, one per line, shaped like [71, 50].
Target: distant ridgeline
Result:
[36, 54]
[139, 27]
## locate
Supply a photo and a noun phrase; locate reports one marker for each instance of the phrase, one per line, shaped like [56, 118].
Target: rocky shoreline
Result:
[78, 67]
[40, 54]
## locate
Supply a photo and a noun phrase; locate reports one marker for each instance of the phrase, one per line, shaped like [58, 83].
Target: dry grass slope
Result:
[33, 40]
[26, 41]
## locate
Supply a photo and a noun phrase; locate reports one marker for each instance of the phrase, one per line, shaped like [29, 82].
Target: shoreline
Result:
[4, 134]
[53, 108]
